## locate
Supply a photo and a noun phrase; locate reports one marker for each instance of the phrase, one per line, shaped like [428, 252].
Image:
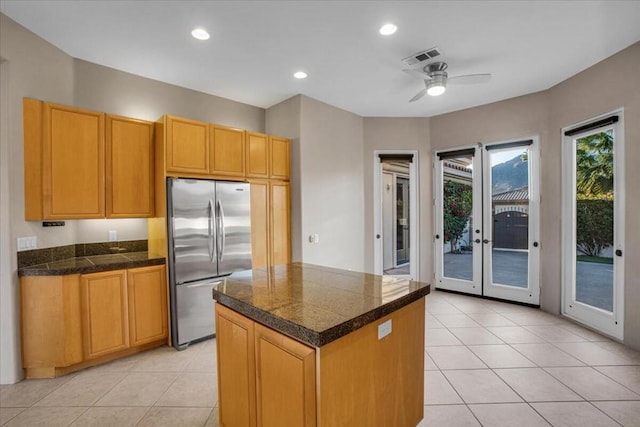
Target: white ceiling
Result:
[256, 46]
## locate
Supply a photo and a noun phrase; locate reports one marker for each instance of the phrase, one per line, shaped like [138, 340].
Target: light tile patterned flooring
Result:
[486, 364]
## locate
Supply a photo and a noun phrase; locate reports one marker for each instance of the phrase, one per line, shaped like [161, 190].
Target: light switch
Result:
[27, 243]
[384, 329]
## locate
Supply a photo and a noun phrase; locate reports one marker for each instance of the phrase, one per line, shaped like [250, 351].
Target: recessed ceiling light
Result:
[300, 75]
[200, 34]
[388, 29]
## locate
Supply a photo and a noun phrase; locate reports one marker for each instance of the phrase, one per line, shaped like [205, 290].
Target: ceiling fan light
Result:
[436, 90]
[437, 85]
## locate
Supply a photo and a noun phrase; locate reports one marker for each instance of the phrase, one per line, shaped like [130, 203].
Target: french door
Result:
[487, 215]
[593, 220]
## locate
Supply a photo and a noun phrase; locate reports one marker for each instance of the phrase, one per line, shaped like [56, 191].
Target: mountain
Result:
[510, 175]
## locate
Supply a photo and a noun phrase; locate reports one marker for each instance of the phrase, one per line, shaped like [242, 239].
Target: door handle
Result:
[437, 236]
[535, 244]
[210, 231]
[486, 241]
[477, 240]
[221, 233]
[618, 252]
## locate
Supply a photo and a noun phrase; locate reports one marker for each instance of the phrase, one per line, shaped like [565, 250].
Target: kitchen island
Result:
[304, 345]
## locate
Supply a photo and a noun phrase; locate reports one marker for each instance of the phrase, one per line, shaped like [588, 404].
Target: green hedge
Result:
[594, 220]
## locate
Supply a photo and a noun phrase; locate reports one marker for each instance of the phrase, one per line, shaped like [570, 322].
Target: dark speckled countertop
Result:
[315, 304]
[92, 264]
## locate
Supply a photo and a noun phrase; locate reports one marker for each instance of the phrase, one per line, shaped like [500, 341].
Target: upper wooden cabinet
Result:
[267, 156]
[226, 152]
[280, 158]
[129, 154]
[72, 163]
[187, 143]
[71, 173]
[257, 156]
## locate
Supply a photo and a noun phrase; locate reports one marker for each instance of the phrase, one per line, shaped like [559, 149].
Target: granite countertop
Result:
[92, 264]
[315, 304]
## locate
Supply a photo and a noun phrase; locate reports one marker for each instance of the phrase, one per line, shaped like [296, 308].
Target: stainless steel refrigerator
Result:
[209, 224]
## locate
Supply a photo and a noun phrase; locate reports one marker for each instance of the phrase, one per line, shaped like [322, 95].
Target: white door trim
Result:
[414, 212]
[610, 323]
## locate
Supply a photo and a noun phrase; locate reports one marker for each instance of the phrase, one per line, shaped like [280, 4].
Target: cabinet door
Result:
[187, 145]
[257, 155]
[280, 154]
[72, 163]
[236, 368]
[129, 168]
[105, 323]
[286, 380]
[280, 223]
[227, 151]
[147, 293]
[259, 224]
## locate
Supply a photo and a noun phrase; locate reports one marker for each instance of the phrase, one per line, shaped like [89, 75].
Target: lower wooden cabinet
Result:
[264, 378]
[75, 321]
[104, 307]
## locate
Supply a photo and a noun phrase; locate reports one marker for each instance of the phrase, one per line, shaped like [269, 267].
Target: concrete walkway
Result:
[594, 281]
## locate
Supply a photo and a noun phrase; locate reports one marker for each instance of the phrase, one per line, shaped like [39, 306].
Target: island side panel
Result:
[372, 382]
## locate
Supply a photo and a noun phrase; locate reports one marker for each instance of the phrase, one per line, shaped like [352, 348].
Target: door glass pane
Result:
[510, 212]
[457, 211]
[594, 220]
[402, 220]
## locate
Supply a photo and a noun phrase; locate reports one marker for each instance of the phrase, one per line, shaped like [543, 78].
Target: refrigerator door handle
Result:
[210, 235]
[221, 232]
[202, 285]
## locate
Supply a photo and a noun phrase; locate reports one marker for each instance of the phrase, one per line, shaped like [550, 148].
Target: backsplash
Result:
[41, 256]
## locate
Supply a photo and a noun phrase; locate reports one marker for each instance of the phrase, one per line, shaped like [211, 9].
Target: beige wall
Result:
[400, 134]
[331, 185]
[611, 84]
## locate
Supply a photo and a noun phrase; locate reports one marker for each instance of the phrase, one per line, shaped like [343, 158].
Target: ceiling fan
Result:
[436, 78]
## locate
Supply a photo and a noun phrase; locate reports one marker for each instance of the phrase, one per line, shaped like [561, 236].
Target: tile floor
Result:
[486, 364]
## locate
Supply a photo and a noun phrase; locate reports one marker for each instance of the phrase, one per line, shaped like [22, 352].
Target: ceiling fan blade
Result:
[419, 95]
[417, 73]
[469, 79]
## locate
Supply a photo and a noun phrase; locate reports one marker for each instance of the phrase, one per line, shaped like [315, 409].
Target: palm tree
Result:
[594, 164]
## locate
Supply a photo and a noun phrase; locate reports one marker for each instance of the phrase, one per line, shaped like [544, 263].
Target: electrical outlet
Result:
[113, 236]
[384, 329]
[27, 243]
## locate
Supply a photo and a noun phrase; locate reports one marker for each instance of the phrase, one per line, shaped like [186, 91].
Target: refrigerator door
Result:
[195, 311]
[192, 226]
[233, 214]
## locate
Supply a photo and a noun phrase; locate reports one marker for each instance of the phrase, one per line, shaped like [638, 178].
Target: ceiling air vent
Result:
[419, 57]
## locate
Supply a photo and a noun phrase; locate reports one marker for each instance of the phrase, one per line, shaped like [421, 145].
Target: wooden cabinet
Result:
[104, 306]
[267, 156]
[285, 380]
[147, 296]
[260, 224]
[187, 145]
[257, 155]
[72, 173]
[72, 163]
[280, 158]
[270, 223]
[75, 321]
[264, 377]
[198, 148]
[236, 368]
[226, 151]
[129, 163]
[280, 223]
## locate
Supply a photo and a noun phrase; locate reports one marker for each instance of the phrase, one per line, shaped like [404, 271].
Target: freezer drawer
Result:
[194, 311]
